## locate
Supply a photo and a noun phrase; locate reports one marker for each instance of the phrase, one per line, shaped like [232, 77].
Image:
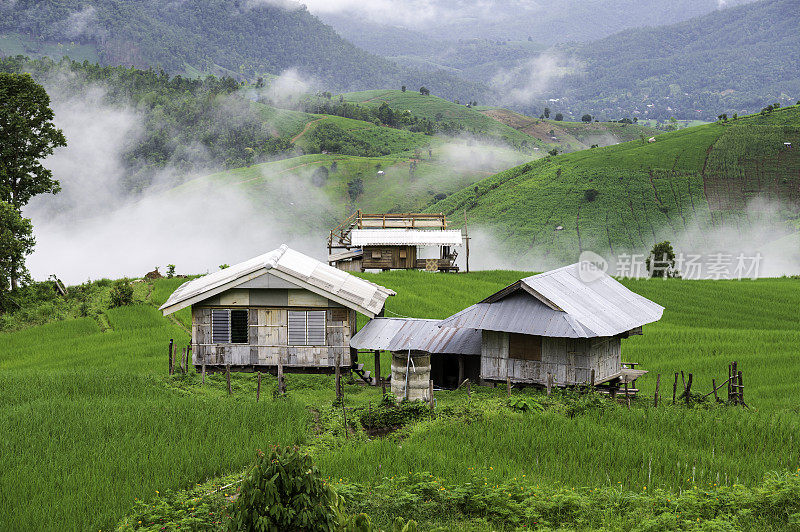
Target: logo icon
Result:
[591, 266]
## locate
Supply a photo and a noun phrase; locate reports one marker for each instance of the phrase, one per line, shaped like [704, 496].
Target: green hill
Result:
[439, 109]
[733, 60]
[242, 39]
[628, 196]
[87, 401]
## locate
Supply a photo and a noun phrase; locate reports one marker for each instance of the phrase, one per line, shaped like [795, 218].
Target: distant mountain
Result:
[734, 60]
[243, 39]
[405, 29]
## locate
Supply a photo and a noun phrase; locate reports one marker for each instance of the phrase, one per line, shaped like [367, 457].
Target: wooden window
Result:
[403, 253]
[339, 314]
[376, 254]
[524, 347]
[229, 326]
[307, 327]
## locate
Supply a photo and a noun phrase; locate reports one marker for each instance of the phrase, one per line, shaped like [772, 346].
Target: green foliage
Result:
[170, 271]
[523, 404]
[29, 135]
[391, 416]
[283, 491]
[16, 242]
[121, 293]
[661, 261]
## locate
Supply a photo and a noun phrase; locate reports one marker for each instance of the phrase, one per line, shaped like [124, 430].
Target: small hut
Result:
[423, 351]
[280, 308]
[562, 323]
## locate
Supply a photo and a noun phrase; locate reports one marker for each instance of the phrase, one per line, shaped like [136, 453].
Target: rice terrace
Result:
[399, 266]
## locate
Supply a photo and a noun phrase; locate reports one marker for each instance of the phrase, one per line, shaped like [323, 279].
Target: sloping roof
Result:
[560, 303]
[407, 237]
[294, 267]
[402, 334]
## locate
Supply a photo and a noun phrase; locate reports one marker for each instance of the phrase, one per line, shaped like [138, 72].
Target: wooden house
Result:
[565, 326]
[565, 323]
[282, 307]
[394, 242]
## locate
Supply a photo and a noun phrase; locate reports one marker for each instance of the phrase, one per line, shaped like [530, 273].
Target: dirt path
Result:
[305, 129]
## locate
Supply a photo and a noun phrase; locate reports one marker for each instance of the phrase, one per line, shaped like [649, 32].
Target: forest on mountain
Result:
[734, 60]
[241, 39]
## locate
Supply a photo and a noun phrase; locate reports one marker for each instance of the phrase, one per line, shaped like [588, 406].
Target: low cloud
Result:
[286, 90]
[527, 82]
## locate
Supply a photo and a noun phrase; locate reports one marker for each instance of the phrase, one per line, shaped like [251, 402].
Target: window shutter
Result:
[297, 327]
[316, 327]
[220, 326]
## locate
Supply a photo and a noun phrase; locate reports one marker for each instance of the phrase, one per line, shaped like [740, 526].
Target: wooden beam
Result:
[658, 384]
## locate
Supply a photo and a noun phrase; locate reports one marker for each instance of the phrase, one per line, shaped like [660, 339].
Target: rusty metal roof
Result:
[294, 267]
[402, 334]
[572, 302]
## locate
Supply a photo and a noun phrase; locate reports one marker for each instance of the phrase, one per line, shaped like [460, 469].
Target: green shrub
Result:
[121, 293]
[284, 491]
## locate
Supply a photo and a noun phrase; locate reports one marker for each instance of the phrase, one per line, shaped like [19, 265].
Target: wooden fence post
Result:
[204, 374]
[281, 382]
[658, 384]
[627, 397]
[729, 383]
[188, 356]
[338, 373]
[549, 383]
[430, 394]
[591, 381]
[469, 391]
[377, 367]
[171, 363]
[508, 385]
[734, 390]
[258, 387]
[184, 366]
[674, 388]
[714, 388]
[688, 391]
[383, 386]
[741, 389]
[228, 378]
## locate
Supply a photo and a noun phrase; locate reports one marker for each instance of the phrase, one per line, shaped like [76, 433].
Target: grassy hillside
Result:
[571, 136]
[644, 192]
[82, 409]
[435, 108]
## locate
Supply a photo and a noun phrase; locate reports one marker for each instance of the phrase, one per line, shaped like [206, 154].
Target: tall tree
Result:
[27, 135]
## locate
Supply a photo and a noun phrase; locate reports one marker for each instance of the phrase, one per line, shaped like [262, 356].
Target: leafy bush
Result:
[591, 194]
[521, 404]
[388, 415]
[121, 293]
[284, 491]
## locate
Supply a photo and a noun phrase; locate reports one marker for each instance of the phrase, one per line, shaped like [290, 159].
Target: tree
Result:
[29, 135]
[424, 91]
[121, 293]
[559, 117]
[586, 118]
[547, 112]
[16, 242]
[403, 88]
[661, 261]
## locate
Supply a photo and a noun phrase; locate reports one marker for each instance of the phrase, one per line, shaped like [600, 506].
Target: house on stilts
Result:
[280, 308]
[395, 242]
[563, 327]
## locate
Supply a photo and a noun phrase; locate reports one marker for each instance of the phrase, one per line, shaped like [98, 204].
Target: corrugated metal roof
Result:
[402, 334]
[560, 303]
[408, 237]
[294, 267]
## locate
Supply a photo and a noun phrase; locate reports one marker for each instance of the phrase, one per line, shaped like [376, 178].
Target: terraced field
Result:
[91, 422]
[683, 187]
